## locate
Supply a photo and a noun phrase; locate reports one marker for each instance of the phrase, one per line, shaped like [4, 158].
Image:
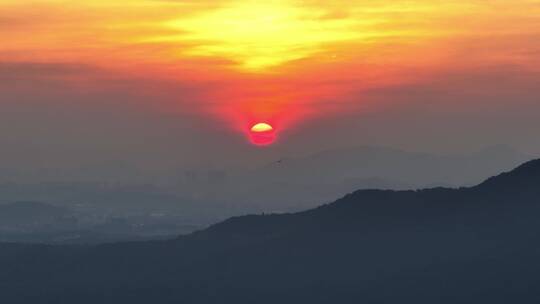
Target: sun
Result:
[262, 134]
[262, 127]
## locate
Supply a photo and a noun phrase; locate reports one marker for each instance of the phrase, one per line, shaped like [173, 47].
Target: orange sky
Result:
[282, 61]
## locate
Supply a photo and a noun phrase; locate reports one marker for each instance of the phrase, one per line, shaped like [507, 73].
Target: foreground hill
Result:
[469, 245]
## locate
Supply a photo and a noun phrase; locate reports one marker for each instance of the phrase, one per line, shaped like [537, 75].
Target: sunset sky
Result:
[171, 78]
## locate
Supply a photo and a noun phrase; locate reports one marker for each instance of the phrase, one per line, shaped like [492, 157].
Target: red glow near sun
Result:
[262, 113]
[262, 134]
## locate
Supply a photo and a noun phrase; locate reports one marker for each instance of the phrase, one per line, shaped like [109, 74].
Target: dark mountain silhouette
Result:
[467, 245]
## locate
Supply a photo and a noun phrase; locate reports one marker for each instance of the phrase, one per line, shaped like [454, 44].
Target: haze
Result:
[160, 92]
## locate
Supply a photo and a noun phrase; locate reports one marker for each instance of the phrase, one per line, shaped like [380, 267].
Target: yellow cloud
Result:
[259, 35]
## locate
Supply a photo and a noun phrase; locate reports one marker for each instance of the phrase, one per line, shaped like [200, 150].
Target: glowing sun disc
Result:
[262, 134]
[262, 127]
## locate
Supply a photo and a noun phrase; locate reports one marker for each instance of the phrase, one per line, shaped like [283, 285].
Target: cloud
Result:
[38, 69]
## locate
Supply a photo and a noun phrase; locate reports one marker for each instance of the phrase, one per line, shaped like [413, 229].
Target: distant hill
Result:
[414, 168]
[468, 245]
[310, 180]
[204, 195]
[29, 213]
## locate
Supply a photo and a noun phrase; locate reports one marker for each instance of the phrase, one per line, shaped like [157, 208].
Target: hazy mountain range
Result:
[415, 169]
[108, 207]
[37, 222]
[441, 245]
[303, 182]
[27, 214]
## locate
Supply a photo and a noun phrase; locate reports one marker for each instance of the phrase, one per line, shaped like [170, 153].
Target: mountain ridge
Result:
[466, 245]
[362, 198]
